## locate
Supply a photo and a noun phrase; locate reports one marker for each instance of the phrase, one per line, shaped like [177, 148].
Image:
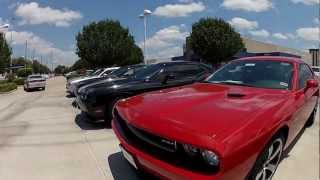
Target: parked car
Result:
[233, 126]
[316, 70]
[94, 75]
[35, 82]
[123, 72]
[97, 99]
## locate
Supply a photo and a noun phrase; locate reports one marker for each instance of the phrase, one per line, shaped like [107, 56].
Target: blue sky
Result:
[50, 26]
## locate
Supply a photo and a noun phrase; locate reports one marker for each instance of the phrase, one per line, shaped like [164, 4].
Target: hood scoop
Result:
[236, 95]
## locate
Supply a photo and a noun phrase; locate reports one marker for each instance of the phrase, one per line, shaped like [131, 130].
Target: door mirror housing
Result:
[312, 83]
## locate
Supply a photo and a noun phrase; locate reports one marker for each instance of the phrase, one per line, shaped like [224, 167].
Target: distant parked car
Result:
[71, 87]
[97, 99]
[316, 70]
[123, 72]
[35, 82]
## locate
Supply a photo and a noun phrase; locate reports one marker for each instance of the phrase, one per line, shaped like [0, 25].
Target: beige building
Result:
[252, 46]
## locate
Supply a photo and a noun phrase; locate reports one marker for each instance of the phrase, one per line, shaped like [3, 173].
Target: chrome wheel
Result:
[271, 160]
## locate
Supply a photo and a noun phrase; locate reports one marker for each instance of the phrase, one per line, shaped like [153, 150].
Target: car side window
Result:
[304, 75]
[183, 71]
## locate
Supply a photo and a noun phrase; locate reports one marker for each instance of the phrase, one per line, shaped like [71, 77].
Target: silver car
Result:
[35, 82]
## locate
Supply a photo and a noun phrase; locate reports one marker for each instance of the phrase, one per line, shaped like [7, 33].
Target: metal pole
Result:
[11, 43]
[145, 39]
[25, 56]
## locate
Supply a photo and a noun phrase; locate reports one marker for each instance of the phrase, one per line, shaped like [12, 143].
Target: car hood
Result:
[200, 110]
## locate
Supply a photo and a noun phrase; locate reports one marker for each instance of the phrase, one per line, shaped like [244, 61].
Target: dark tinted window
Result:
[148, 71]
[304, 75]
[183, 70]
[35, 77]
[260, 73]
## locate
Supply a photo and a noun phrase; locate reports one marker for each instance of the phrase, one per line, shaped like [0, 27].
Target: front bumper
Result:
[157, 167]
[96, 113]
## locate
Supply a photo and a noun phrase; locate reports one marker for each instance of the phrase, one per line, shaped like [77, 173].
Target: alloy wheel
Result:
[271, 160]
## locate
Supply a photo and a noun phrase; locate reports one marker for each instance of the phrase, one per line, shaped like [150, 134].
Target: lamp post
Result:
[144, 17]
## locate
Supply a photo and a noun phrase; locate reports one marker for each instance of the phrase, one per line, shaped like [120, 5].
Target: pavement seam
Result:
[90, 150]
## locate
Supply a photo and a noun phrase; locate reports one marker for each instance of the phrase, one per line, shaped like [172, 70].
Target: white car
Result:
[35, 82]
[316, 70]
[95, 75]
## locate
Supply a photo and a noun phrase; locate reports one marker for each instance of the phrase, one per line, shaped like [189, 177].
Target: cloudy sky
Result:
[50, 26]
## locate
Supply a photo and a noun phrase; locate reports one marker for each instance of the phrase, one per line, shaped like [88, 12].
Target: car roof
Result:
[273, 58]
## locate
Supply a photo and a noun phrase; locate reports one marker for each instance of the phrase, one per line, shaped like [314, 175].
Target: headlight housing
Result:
[209, 157]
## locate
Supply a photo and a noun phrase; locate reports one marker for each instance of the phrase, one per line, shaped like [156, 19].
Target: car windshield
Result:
[95, 73]
[316, 69]
[35, 77]
[148, 71]
[260, 73]
[125, 71]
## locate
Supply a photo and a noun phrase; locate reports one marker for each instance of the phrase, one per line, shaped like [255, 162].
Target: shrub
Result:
[24, 72]
[6, 87]
[19, 81]
[3, 81]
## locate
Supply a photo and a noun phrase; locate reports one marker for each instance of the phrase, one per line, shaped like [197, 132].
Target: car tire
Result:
[312, 118]
[268, 161]
[108, 112]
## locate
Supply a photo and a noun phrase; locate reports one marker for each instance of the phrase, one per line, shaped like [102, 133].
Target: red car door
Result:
[306, 97]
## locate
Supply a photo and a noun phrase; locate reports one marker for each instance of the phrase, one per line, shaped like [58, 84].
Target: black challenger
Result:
[97, 99]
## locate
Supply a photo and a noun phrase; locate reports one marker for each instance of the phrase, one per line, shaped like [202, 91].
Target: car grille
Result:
[161, 148]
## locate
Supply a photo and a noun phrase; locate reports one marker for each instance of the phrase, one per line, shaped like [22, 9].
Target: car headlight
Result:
[210, 157]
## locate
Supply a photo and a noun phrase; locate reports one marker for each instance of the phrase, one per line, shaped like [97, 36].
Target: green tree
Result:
[5, 53]
[215, 40]
[81, 64]
[60, 69]
[107, 43]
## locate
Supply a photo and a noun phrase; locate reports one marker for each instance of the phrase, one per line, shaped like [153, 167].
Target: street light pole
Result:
[144, 16]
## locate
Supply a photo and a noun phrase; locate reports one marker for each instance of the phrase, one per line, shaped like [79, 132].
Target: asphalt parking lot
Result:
[43, 137]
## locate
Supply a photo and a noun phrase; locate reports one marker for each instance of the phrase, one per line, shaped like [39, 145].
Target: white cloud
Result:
[167, 42]
[260, 33]
[291, 36]
[32, 13]
[42, 47]
[316, 21]
[280, 36]
[179, 10]
[243, 24]
[309, 33]
[306, 2]
[248, 5]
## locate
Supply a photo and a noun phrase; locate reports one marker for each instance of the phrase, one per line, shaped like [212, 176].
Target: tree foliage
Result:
[107, 43]
[81, 64]
[215, 40]
[60, 69]
[5, 53]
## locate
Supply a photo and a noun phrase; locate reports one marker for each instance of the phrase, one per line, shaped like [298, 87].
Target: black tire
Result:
[108, 111]
[312, 118]
[267, 163]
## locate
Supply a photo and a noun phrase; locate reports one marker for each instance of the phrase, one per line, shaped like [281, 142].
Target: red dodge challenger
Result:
[233, 126]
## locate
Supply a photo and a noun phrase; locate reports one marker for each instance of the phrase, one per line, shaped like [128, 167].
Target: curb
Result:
[12, 91]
